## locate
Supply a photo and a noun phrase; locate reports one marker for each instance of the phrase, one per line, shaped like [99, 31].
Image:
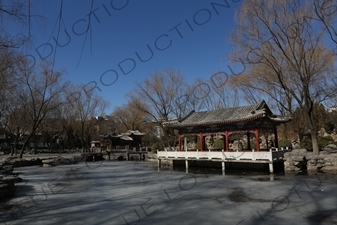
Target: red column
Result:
[276, 138]
[257, 139]
[201, 137]
[227, 140]
[179, 142]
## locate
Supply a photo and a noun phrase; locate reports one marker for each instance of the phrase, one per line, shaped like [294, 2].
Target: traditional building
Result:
[251, 121]
[132, 139]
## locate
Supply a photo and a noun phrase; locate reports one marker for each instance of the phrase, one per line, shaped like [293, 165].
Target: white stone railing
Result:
[251, 155]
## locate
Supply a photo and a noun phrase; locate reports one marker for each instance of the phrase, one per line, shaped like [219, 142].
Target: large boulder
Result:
[301, 159]
[329, 149]
[10, 179]
[59, 160]
[296, 160]
[17, 162]
[323, 162]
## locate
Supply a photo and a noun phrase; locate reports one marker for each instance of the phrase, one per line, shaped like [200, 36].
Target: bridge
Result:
[96, 153]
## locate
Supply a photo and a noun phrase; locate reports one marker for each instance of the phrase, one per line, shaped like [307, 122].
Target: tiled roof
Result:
[225, 116]
[134, 132]
[123, 136]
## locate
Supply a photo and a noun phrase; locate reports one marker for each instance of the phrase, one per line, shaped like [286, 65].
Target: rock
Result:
[295, 160]
[6, 172]
[295, 145]
[322, 162]
[10, 179]
[151, 155]
[301, 159]
[6, 190]
[16, 162]
[63, 161]
[331, 146]
[329, 168]
[329, 149]
[301, 152]
[314, 167]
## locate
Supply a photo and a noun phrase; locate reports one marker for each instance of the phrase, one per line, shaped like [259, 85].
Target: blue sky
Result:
[188, 35]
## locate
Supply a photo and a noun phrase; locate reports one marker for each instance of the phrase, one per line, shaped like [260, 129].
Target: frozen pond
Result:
[133, 193]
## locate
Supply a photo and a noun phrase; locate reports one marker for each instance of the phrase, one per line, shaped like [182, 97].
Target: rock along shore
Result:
[8, 178]
[303, 160]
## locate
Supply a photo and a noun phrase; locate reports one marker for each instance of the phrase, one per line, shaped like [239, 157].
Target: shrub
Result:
[322, 142]
[155, 147]
[283, 143]
[252, 144]
[197, 145]
[306, 143]
[218, 144]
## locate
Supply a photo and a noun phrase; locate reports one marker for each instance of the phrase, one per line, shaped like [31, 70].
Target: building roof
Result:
[134, 132]
[227, 116]
[123, 136]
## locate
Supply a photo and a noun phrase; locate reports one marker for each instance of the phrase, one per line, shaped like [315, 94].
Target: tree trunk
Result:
[23, 148]
[35, 146]
[315, 148]
[313, 131]
[26, 142]
[14, 147]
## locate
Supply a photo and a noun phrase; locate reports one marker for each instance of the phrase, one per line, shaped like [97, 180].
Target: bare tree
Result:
[326, 12]
[8, 68]
[37, 94]
[214, 93]
[129, 116]
[16, 122]
[285, 55]
[67, 113]
[88, 106]
[157, 95]
[15, 13]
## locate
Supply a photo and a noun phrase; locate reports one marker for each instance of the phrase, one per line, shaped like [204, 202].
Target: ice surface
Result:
[133, 193]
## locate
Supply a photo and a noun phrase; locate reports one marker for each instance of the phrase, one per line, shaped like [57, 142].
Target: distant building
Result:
[332, 108]
[131, 139]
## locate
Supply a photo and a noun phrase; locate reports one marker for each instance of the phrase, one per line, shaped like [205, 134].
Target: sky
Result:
[192, 36]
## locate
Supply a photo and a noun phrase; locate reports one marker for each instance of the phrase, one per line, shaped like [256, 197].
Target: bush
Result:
[252, 144]
[283, 143]
[322, 142]
[155, 147]
[197, 145]
[306, 143]
[218, 144]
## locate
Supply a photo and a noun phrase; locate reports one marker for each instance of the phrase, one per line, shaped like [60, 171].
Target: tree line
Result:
[38, 101]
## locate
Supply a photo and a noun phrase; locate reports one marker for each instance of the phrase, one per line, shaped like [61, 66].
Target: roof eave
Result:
[257, 116]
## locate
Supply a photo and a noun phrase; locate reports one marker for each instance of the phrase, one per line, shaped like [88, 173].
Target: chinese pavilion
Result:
[252, 121]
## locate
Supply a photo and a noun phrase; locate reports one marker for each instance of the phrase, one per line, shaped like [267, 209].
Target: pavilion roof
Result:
[134, 132]
[227, 116]
[123, 136]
